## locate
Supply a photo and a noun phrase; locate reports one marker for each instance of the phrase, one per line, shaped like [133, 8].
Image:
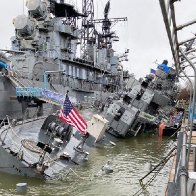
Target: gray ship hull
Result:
[8, 103]
[10, 164]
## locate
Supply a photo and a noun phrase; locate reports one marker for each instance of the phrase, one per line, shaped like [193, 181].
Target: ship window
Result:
[119, 113]
[127, 99]
[139, 95]
[144, 84]
[47, 39]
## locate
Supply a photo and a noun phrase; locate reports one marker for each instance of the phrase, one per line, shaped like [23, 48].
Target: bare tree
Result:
[185, 91]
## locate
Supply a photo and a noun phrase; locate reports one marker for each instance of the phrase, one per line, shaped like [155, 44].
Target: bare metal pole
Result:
[183, 170]
[188, 40]
[186, 24]
[173, 45]
[189, 51]
[187, 76]
[193, 105]
[191, 93]
[174, 26]
[190, 58]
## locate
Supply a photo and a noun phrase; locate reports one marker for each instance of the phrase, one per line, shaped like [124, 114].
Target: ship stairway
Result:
[25, 89]
[17, 79]
[135, 131]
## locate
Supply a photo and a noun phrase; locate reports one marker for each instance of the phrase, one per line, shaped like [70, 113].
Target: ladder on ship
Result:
[14, 78]
[25, 88]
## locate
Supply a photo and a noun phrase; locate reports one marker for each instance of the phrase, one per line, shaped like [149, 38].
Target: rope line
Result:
[160, 166]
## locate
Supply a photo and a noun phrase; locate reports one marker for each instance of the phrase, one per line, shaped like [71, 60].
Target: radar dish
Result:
[107, 9]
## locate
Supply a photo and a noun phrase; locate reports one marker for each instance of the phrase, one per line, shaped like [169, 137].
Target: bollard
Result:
[21, 187]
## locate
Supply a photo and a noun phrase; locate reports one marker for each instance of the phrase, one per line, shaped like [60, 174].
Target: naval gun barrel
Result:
[24, 26]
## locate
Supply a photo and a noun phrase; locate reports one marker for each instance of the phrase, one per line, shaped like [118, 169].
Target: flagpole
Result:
[67, 93]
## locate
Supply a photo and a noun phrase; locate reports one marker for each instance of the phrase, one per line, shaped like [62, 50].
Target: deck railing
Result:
[29, 91]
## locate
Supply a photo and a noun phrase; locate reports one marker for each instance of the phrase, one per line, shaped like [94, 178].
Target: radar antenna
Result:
[107, 9]
[107, 36]
[87, 32]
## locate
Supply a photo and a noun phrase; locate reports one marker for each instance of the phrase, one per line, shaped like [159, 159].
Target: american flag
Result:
[71, 116]
[152, 71]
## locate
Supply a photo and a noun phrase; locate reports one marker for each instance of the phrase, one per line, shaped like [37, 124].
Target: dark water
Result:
[129, 158]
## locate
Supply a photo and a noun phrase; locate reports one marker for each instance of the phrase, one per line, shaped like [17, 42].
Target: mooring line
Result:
[160, 165]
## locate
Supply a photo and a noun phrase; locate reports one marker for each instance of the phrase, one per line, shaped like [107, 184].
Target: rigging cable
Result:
[157, 170]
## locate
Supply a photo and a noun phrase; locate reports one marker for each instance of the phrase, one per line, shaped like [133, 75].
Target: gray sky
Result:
[144, 33]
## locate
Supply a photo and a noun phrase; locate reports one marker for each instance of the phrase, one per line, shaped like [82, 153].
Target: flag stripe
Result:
[76, 123]
[62, 117]
[78, 118]
[83, 121]
[71, 116]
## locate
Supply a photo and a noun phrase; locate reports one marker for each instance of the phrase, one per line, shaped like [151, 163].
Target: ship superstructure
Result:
[44, 51]
[144, 106]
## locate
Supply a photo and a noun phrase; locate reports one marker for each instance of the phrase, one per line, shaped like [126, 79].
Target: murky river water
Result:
[129, 158]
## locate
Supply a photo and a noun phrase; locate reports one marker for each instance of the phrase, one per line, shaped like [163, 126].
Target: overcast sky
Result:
[144, 33]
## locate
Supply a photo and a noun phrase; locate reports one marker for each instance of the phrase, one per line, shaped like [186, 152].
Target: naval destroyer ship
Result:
[44, 146]
[43, 65]
[56, 48]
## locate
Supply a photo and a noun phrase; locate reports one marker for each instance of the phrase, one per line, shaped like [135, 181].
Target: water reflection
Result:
[128, 159]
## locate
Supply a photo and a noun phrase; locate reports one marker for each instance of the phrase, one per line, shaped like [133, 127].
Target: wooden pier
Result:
[191, 162]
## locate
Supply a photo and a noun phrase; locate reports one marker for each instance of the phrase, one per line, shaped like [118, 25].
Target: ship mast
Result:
[107, 36]
[87, 31]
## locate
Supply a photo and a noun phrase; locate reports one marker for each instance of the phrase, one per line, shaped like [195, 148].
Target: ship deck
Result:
[22, 140]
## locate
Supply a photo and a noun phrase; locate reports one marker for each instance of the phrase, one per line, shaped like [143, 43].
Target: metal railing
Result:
[169, 17]
[168, 13]
[29, 91]
[180, 57]
[5, 121]
[42, 94]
